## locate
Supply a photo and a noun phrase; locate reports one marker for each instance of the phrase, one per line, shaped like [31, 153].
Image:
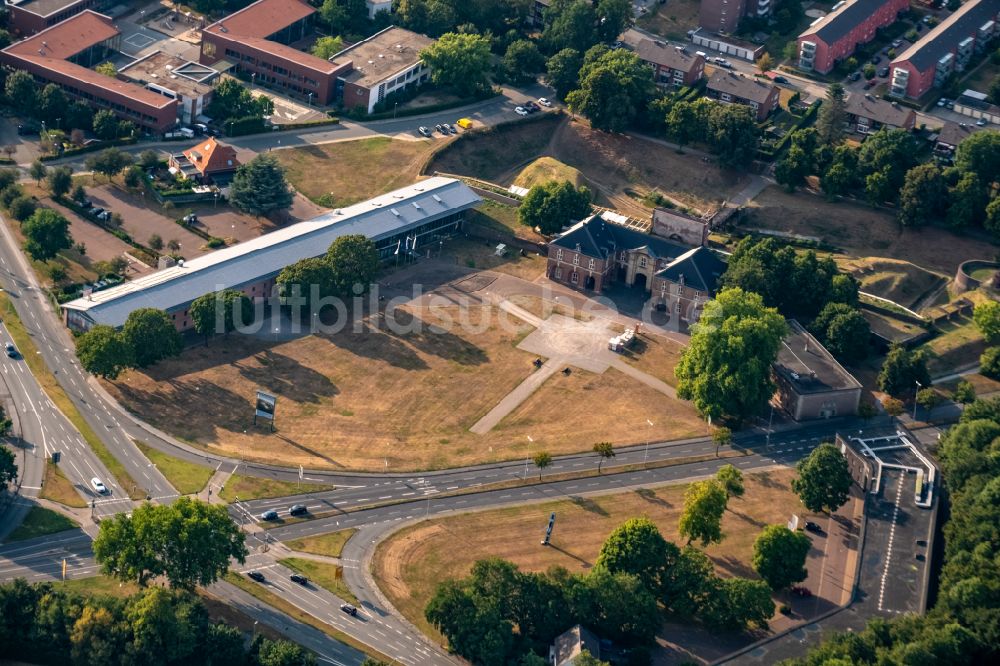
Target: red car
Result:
[800, 591]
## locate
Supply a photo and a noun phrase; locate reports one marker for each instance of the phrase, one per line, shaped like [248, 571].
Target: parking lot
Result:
[141, 222]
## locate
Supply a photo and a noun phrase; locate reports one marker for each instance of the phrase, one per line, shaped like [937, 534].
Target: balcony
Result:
[808, 47]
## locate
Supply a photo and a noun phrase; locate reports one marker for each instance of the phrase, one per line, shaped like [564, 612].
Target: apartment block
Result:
[725, 15]
[849, 24]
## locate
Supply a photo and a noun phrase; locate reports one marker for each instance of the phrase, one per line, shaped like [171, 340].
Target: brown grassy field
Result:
[355, 400]
[672, 19]
[340, 174]
[900, 281]
[864, 231]
[545, 169]
[502, 218]
[409, 564]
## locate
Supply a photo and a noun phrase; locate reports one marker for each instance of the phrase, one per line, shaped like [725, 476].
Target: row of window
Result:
[623, 256]
[265, 65]
[142, 118]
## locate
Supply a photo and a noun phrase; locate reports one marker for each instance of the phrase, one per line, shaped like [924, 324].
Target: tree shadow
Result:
[584, 563]
[651, 497]
[434, 340]
[588, 505]
[734, 566]
[750, 519]
[373, 343]
[287, 377]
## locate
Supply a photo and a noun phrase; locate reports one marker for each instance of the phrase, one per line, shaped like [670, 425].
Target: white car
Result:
[99, 486]
[520, 110]
[544, 102]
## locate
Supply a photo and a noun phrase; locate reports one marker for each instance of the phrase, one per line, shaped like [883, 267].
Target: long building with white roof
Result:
[403, 220]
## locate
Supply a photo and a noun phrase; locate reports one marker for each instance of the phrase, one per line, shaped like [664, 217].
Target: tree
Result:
[189, 542]
[840, 177]
[460, 61]
[133, 177]
[151, 336]
[636, 547]
[793, 168]
[259, 186]
[892, 406]
[563, 71]
[60, 181]
[844, 331]
[334, 15]
[733, 134]
[542, 460]
[107, 69]
[103, 352]
[832, 116]
[304, 282]
[682, 123]
[552, 205]
[969, 198]
[52, 103]
[280, 653]
[764, 63]
[231, 100]
[992, 221]
[353, 260]
[986, 315]
[22, 208]
[824, 480]
[779, 556]
[46, 232]
[989, 363]
[327, 47]
[735, 603]
[149, 159]
[924, 195]
[8, 470]
[105, 125]
[604, 451]
[614, 90]
[726, 368]
[108, 162]
[965, 392]
[721, 436]
[704, 504]
[79, 194]
[883, 159]
[523, 61]
[980, 154]
[731, 479]
[928, 398]
[902, 371]
[220, 312]
[570, 24]
[22, 92]
[38, 171]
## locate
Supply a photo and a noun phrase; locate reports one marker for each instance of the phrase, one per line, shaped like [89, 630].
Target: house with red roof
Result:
[207, 162]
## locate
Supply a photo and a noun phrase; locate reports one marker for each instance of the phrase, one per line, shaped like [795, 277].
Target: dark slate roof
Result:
[664, 55]
[879, 110]
[838, 23]
[599, 238]
[700, 267]
[945, 36]
[568, 645]
[953, 134]
[741, 86]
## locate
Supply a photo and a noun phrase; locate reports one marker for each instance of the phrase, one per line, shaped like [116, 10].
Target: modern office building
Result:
[30, 16]
[190, 83]
[385, 63]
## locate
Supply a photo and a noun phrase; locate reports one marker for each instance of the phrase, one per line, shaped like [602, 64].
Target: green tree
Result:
[969, 198]
[542, 460]
[704, 504]
[844, 331]
[22, 208]
[149, 159]
[334, 15]
[46, 232]
[733, 134]
[924, 196]
[231, 100]
[721, 436]
[38, 171]
[683, 124]
[620, 605]
[103, 352]
[687, 579]
[22, 92]
[52, 103]
[220, 312]
[280, 653]
[431, 17]
[151, 336]
[188, 542]
[824, 480]
[986, 315]
[105, 124]
[8, 470]
[354, 262]
[109, 162]
[636, 547]
[735, 603]
[522, 61]
[460, 61]
[613, 18]
[587, 659]
[259, 187]
[614, 90]
[965, 392]
[883, 159]
[764, 63]
[133, 178]
[563, 71]
[726, 368]
[475, 630]
[929, 398]
[570, 24]
[97, 638]
[793, 168]
[779, 556]
[980, 154]
[604, 451]
[832, 116]
[840, 176]
[731, 479]
[989, 363]
[992, 221]
[107, 69]
[327, 47]
[60, 181]
[305, 281]
[552, 205]
[902, 371]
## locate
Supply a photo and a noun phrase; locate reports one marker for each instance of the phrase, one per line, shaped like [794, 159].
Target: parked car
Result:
[96, 210]
[781, 79]
[299, 578]
[884, 72]
[257, 576]
[451, 128]
[99, 486]
[464, 123]
[950, 104]
[520, 110]
[297, 510]
[10, 349]
[349, 609]
[876, 59]
[104, 215]
[800, 591]
[544, 102]
[981, 122]
[870, 85]
[813, 527]
[854, 76]
[190, 218]
[896, 43]
[722, 62]
[423, 131]
[942, 101]
[270, 514]
[532, 107]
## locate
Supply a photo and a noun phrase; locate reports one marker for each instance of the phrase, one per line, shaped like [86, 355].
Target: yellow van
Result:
[464, 123]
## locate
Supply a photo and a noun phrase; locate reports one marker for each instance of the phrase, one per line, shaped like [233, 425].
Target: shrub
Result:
[22, 207]
[989, 363]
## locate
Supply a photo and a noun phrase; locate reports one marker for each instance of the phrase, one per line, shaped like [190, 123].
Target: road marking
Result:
[892, 536]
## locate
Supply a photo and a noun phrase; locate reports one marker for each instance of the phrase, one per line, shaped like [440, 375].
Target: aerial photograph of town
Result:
[499, 332]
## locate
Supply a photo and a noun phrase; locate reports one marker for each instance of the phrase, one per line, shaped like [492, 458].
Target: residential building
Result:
[811, 383]
[255, 41]
[834, 37]
[208, 162]
[30, 16]
[725, 15]
[387, 62]
[63, 55]
[687, 282]
[729, 45]
[672, 65]
[951, 135]
[569, 645]
[400, 223]
[376, 6]
[867, 114]
[190, 83]
[735, 88]
[945, 50]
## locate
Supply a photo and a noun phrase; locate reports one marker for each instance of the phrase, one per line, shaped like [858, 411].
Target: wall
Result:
[668, 224]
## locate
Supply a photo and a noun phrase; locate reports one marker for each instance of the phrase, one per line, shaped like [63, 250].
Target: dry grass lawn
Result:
[864, 231]
[672, 19]
[545, 169]
[655, 355]
[959, 344]
[499, 217]
[899, 281]
[344, 173]
[482, 256]
[409, 564]
[58, 488]
[331, 545]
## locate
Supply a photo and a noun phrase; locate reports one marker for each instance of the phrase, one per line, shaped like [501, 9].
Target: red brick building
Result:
[255, 41]
[725, 15]
[30, 16]
[733, 88]
[63, 55]
[945, 50]
[835, 36]
[672, 65]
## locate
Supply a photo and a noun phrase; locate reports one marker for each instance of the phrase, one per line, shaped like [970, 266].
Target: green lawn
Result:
[58, 488]
[98, 586]
[41, 521]
[322, 574]
[331, 545]
[252, 487]
[186, 477]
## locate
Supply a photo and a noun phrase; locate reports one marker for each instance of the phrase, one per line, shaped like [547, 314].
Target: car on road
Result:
[800, 591]
[257, 576]
[520, 110]
[854, 76]
[99, 486]
[464, 123]
[813, 527]
[423, 131]
[451, 128]
[10, 349]
[297, 510]
[896, 43]
[299, 578]
[349, 609]
[781, 79]
[544, 102]
[884, 72]
[270, 514]
[981, 122]
[722, 62]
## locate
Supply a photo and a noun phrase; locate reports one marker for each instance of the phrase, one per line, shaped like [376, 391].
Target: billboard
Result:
[265, 406]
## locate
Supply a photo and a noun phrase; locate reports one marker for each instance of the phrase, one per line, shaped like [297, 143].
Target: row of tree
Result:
[45, 231]
[148, 336]
[347, 269]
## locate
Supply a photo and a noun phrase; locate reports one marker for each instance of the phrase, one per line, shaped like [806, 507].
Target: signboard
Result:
[265, 406]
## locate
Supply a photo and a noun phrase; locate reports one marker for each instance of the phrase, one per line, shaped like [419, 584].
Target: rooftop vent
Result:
[394, 212]
[437, 198]
[380, 55]
[416, 205]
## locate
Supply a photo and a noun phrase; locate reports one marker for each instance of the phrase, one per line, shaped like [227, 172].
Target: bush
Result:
[22, 207]
[215, 242]
[989, 363]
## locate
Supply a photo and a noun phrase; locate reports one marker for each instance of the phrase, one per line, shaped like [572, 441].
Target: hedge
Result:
[93, 147]
[418, 111]
[244, 126]
[315, 123]
[805, 120]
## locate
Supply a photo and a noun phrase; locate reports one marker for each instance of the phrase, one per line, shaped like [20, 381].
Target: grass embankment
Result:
[41, 521]
[45, 378]
[323, 574]
[252, 487]
[58, 488]
[98, 586]
[188, 478]
[331, 545]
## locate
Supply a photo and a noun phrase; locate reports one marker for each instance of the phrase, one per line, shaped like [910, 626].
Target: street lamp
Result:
[395, 105]
[645, 454]
[310, 99]
[915, 393]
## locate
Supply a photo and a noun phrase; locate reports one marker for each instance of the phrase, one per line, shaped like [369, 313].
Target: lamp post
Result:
[769, 420]
[916, 392]
[310, 99]
[395, 106]
[645, 454]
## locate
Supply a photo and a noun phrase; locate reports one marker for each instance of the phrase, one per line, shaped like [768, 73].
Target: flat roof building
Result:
[401, 221]
[63, 55]
[190, 83]
[30, 16]
[811, 383]
[385, 63]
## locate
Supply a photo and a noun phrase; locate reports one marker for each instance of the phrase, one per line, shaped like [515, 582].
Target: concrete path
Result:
[523, 391]
[647, 379]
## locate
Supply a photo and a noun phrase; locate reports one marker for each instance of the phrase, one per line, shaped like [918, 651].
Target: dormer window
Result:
[642, 262]
[559, 254]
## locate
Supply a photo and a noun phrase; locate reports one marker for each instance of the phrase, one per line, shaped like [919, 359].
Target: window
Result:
[623, 256]
[574, 277]
[726, 97]
[642, 262]
[590, 264]
[559, 274]
[559, 255]
[576, 259]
